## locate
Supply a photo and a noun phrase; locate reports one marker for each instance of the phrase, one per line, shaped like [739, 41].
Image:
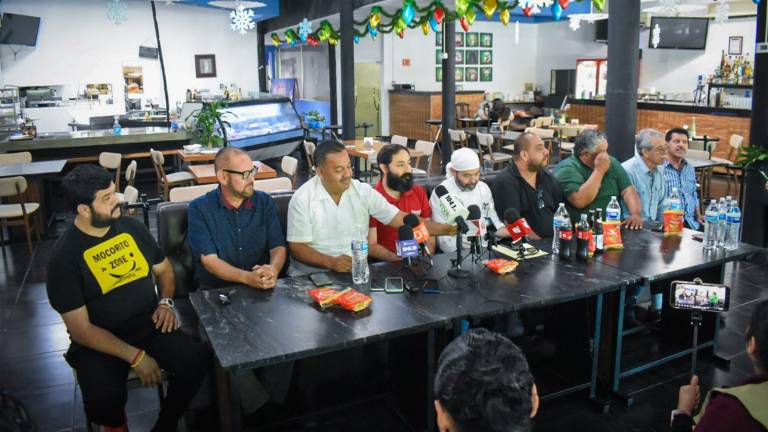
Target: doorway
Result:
[368, 98]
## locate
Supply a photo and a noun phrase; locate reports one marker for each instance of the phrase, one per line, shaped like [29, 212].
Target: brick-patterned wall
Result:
[408, 113]
[712, 125]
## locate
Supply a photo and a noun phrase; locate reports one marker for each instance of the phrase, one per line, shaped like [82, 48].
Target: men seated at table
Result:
[234, 232]
[100, 279]
[681, 175]
[590, 177]
[463, 183]
[332, 209]
[396, 186]
[645, 170]
[483, 383]
[739, 408]
[528, 187]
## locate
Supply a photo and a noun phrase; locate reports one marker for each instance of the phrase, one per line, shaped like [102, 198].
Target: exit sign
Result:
[406, 62]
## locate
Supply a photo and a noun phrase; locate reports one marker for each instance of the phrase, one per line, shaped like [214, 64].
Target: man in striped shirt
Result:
[678, 173]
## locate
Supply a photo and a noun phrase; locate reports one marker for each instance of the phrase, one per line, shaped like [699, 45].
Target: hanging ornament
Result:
[600, 4]
[471, 15]
[534, 6]
[464, 24]
[408, 12]
[372, 31]
[399, 25]
[758, 2]
[656, 36]
[433, 23]
[425, 27]
[305, 28]
[721, 12]
[242, 20]
[575, 23]
[401, 34]
[439, 14]
[275, 39]
[326, 31]
[462, 6]
[375, 19]
[333, 40]
[357, 39]
[563, 3]
[116, 11]
[291, 37]
[489, 7]
[504, 16]
[517, 32]
[310, 39]
[528, 11]
[557, 11]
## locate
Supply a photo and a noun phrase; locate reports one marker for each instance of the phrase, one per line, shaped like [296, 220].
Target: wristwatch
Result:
[166, 301]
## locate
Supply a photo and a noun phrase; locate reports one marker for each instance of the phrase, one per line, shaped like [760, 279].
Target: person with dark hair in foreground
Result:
[483, 384]
[100, 279]
[740, 408]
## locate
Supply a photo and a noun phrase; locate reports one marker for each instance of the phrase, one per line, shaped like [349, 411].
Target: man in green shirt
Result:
[590, 178]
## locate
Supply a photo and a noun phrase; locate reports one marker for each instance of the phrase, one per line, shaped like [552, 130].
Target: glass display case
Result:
[261, 122]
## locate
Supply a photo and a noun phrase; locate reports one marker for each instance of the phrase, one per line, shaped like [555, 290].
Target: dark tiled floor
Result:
[33, 339]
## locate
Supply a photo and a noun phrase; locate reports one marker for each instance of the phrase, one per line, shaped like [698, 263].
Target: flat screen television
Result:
[19, 29]
[680, 33]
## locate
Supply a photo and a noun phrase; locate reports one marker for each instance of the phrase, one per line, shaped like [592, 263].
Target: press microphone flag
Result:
[452, 209]
[517, 226]
[406, 247]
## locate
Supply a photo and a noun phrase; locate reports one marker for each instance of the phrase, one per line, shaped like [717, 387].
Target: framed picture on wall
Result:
[459, 74]
[471, 74]
[471, 57]
[459, 57]
[205, 66]
[439, 74]
[735, 44]
[438, 56]
[486, 57]
[486, 74]
[473, 40]
[459, 40]
[486, 40]
[439, 38]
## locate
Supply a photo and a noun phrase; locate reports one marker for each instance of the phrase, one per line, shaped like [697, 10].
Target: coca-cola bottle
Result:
[598, 228]
[566, 238]
[582, 238]
[592, 246]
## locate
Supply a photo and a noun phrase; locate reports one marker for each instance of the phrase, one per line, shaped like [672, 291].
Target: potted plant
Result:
[315, 120]
[207, 119]
[754, 158]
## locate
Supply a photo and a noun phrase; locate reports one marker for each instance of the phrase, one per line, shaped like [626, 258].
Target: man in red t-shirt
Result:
[396, 185]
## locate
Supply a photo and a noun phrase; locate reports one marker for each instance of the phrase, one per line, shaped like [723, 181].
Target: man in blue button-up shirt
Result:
[645, 171]
[234, 232]
[681, 175]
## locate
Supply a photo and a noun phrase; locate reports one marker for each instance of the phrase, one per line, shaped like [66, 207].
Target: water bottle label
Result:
[675, 205]
[721, 216]
[612, 215]
[556, 223]
[711, 218]
[733, 219]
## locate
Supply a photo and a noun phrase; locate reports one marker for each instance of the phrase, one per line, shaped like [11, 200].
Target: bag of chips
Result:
[323, 296]
[673, 223]
[501, 266]
[612, 235]
[352, 300]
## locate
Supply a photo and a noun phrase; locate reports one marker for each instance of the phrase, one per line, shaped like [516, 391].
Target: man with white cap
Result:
[463, 183]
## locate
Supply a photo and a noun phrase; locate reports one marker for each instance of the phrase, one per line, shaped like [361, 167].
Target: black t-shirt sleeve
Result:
[506, 194]
[64, 282]
[149, 246]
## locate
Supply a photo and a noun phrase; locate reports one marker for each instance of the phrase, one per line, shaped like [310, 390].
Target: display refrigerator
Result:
[591, 78]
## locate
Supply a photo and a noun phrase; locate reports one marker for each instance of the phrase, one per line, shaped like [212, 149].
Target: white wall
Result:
[558, 47]
[77, 44]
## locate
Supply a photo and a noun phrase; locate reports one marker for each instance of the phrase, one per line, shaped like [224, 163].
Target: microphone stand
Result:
[457, 272]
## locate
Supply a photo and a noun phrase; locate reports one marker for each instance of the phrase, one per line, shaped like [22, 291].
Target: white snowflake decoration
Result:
[116, 11]
[668, 7]
[535, 5]
[721, 12]
[656, 36]
[242, 20]
[305, 29]
[575, 23]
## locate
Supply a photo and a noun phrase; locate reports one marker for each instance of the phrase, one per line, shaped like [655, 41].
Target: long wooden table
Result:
[206, 174]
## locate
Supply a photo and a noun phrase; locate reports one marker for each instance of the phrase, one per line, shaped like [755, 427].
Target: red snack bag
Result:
[673, 222]
[612, 235]
[352, 300]
[324, 296]
[501, 266]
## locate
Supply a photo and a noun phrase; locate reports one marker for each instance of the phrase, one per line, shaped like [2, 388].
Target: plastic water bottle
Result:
[674, 202]
[710, 226]
[733, 223]
[722, 210]
[613, 211]
[117, 130]
[360, 272]
[560, 215]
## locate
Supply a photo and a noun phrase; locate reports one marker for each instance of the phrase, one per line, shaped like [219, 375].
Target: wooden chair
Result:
[459, 140]
[112, 161]
[731, 171]
[462, 111]
[309, 149]
[290, 166]
[130, 177]
[166, 181]
[510, 136]
[130, 172]
[188, 193]
[277, 184]
[399, 139]
[486, 141]
[15, 158]
[18, 214]
[428, 148]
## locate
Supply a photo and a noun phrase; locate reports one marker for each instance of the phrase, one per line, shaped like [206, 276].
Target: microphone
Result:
[517, 226]
[452, 209]
[475, 223]
[406, 246]
[420, 233]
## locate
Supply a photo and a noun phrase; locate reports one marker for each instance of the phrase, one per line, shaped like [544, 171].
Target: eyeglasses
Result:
[244, 174]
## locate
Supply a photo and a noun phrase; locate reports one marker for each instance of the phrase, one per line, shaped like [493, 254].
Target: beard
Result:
[533, 166]
[402, 183]
[467, 187]
[102, 221]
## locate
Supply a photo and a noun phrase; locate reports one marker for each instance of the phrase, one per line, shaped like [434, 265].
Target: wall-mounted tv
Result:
[679, 33]
[19, 29]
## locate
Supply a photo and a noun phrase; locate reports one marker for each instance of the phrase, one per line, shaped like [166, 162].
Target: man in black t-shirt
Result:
[527, 186]
[100, 279]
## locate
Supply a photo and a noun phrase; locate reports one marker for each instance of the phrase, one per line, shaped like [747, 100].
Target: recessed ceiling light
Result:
[228, 4]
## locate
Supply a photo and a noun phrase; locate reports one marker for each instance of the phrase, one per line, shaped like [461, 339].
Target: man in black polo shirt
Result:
[527, 186]
[100, 279]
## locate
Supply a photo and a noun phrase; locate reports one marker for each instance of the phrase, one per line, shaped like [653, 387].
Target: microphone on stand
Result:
[518, 229]
[406, 246]
[454, 211]
[475, 223]
[420, 234]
